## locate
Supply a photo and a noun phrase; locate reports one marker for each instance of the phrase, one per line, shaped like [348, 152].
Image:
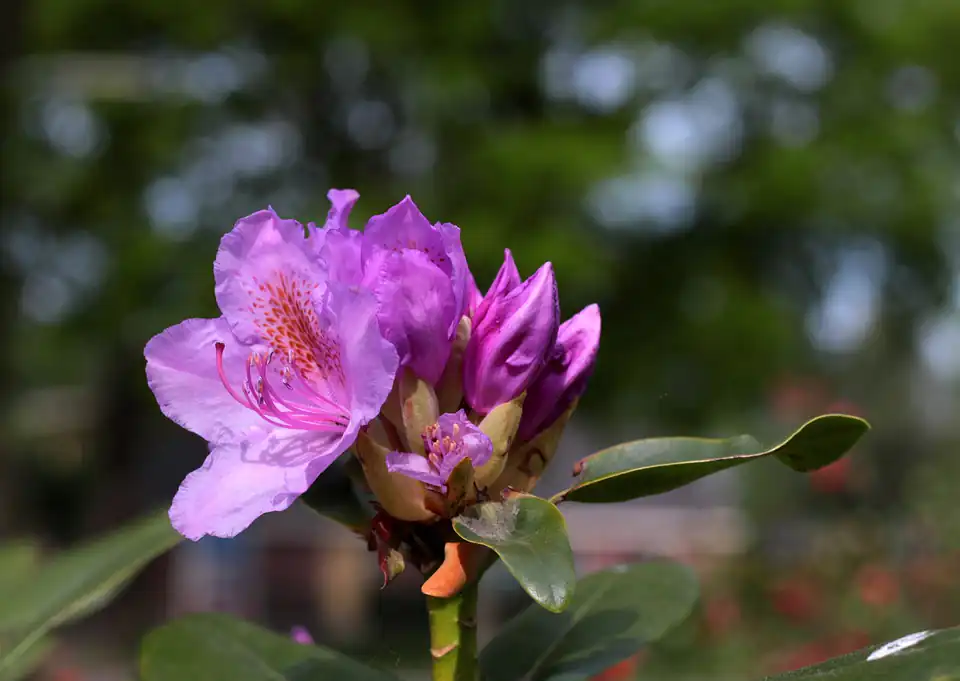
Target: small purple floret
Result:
[449, 441]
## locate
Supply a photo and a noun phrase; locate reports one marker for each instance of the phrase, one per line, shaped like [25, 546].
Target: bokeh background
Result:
[762, 196]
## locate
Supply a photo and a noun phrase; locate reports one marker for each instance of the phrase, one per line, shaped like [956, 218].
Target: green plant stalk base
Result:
[453, 636]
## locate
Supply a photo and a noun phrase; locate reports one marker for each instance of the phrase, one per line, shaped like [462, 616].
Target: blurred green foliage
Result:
[752, 191]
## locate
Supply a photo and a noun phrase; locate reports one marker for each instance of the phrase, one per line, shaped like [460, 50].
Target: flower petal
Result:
[261, 251]
[404, 227]
[460, 277]
[564, 376]
[337, 245]
[370, 361]
[474, 297]
[507, 279]
[340, 255]
[243, 479]
[474, 444]
[414, 466]
[342, 202]
[511, 342]
[182, 373]
[416, 307]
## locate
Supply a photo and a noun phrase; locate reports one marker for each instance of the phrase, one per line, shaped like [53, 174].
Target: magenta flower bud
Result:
[512, 337]
[507, 279]
[565, 374]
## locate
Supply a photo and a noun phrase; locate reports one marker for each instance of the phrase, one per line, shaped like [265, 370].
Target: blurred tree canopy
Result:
[751, 190]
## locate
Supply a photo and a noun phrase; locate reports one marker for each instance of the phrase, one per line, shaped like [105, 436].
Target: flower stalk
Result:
[453, 635]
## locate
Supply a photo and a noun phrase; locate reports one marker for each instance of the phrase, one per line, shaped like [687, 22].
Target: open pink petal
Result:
[263, 262]
[369, 360]
[416, 306]
[414, 466]
[242, 480]
[182, 373]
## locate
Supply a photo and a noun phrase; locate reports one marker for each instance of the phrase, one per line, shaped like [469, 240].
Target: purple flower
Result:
[279, 385]
[419, 275]
[301, 635]
[564, 376]
[448, 442]
[514, 329]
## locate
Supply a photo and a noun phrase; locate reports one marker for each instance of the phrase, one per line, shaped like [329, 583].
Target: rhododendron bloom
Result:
[448, 442]
[280, 384]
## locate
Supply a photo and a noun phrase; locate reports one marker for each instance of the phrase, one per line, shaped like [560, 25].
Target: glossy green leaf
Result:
[334, 495]
[216, 647]
[923, 656]
[612, 615]
[646, 467]
[77, 583]
[530, 536]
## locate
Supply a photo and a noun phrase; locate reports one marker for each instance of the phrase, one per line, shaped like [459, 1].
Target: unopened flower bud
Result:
[402, 497]
[564, 375]
[500, 425]
[418, 408]
[512, 336]
[528, 460]
[507, 279]
[450, 387]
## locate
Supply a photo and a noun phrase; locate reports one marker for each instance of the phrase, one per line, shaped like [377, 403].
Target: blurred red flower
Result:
[877, 586]
[831, 479]
[797, 598]
[622, 671]
[721, 613]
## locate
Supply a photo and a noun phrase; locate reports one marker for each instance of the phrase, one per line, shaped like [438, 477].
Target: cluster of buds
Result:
[492, 422]
[494, 419]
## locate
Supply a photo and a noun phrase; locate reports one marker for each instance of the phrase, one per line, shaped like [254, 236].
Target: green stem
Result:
[453, 635]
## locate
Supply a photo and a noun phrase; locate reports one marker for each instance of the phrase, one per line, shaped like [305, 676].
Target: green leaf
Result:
[77, 583]
[27, 661]
[18, 562]
[646, 467]
[530, 536]
[215, 647]
[334, 495]
[613, 614]
[924, 656]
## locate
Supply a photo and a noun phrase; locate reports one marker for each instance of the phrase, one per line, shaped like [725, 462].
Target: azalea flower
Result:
[281, 383]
